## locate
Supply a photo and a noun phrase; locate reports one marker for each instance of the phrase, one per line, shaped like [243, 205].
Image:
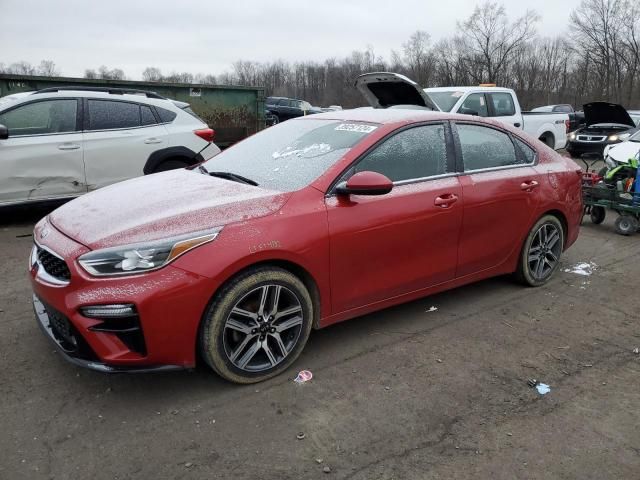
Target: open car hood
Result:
[604, 112]
[387, 89]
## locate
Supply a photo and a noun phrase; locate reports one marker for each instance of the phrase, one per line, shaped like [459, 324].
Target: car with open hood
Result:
[606, 124]
[310, 222]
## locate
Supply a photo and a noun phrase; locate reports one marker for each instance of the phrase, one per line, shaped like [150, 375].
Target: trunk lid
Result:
[387, 89]
[604, 112]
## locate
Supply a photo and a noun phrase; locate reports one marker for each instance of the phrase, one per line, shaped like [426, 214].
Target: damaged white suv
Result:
[59, 143]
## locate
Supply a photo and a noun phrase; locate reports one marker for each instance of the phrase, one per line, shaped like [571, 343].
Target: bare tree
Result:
[47, 68]
[490, 40]
[152, 74]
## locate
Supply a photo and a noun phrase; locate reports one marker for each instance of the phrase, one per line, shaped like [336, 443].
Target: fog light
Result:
[108, 311]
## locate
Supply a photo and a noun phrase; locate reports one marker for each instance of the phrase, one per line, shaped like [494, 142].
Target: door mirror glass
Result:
[4, 132]
[468, 111]
[475, 104]
[365, 183]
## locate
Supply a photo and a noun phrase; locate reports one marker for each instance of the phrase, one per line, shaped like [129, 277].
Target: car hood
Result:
[388, 89]
[624, 151]
[604, 112]
[160, 206]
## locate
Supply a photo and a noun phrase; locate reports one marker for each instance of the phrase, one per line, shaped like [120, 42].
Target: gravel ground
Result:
[403, 393]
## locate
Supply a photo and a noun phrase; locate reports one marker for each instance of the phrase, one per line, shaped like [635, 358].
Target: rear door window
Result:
[166, 116]
[475, 104]
[484, 147]
[503, 105]
[42, 118]
[414, 153]
[108, 115]
[146, 116]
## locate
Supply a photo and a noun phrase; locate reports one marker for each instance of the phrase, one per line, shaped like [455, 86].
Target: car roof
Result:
[467, 89]
[23, 97]
[386, 115]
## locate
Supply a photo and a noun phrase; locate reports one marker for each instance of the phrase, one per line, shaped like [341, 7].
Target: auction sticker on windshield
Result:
[356, 127]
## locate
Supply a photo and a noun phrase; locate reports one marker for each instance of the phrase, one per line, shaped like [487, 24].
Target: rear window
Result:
[166, 116]
[292, 154]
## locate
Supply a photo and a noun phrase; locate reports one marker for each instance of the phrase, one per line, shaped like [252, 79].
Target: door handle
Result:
[517, 124]
[446, 200]
[529, 185]
[152, 140]
[68, 146]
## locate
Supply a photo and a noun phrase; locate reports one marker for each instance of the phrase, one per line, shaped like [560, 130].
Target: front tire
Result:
[540, 255]
[257, 325]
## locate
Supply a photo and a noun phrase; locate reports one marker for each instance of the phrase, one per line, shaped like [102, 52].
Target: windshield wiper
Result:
[231, 176]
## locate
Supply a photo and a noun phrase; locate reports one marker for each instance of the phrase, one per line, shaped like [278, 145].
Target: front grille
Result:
[67, 336]
[54, 266]
[591, 138]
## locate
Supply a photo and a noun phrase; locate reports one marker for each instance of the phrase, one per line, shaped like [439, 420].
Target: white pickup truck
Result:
[392, 90]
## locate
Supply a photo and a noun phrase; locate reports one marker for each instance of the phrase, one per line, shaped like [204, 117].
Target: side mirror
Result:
[365, 183]
[4, 132]
[468, 111]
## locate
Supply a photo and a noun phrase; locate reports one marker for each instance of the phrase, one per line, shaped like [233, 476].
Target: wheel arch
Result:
[178, 153]
[296, 269]
[548, 138]
[563, 221]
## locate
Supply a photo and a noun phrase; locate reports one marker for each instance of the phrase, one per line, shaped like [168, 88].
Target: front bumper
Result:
[577, 149]
[169, 305]
[77, 352]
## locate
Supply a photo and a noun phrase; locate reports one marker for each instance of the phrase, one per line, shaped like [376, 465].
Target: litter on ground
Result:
[543, 388]
[303, 376]
[432, 309]
[582, 268]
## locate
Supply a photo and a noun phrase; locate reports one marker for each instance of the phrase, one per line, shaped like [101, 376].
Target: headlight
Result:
[143, 257]
[572, 136]
[622, 137]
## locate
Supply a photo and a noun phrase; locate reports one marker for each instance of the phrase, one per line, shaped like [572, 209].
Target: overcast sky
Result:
[207, 36]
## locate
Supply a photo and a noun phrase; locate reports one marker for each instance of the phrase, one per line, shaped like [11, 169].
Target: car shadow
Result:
[327, 348]
[26, 215]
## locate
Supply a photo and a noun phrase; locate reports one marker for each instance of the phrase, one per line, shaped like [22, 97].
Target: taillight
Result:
[206, 134]
[567, 124]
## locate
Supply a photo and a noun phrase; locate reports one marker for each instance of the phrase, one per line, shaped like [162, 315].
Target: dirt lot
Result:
[404, 393]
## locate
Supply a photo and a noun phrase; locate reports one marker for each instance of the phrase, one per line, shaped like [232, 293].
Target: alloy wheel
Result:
[544, 251]
[263, 328]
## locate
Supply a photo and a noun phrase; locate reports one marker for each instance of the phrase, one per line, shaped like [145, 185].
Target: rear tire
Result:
[598, 214]
[541, 251]
[257, 325]
[626, 225]
[171, 164]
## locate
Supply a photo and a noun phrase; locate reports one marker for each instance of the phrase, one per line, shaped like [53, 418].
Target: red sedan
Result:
[308, 223]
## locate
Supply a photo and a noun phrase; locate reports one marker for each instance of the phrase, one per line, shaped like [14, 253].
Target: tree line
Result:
[597, 58]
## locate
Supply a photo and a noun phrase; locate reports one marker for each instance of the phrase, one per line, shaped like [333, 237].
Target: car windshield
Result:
[636, 119]
[445, 100]
[292, 154]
